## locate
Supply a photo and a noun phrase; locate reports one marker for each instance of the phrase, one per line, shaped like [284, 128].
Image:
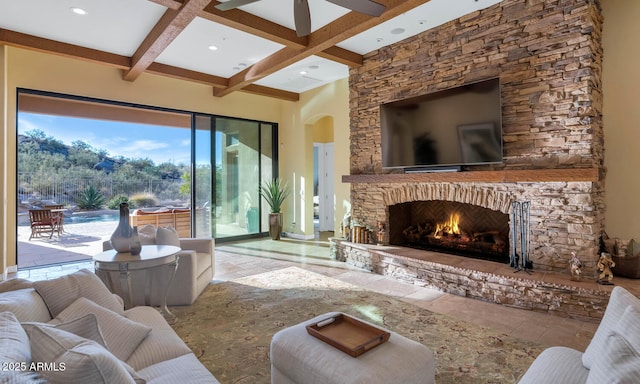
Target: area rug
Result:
[230, 326]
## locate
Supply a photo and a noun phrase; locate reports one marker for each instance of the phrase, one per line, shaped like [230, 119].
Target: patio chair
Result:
[57, 211]
[42, 221]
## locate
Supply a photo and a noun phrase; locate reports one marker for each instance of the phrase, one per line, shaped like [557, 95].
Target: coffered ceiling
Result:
[251, 49]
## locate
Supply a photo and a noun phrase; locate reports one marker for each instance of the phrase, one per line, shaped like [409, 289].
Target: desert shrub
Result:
[143, 200]
[114, 202]
[90, 198]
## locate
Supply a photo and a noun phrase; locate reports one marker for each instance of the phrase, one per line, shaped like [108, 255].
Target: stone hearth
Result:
[479, 279]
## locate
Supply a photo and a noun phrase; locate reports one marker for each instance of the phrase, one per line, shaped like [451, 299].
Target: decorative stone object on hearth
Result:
[360, 234]
[346, 225]
[626, 255]
[576, 267]
[380, 233]
[121, 237]
[605, 263]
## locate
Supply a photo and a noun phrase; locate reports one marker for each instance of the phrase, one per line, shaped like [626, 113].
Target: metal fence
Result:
[32, 188]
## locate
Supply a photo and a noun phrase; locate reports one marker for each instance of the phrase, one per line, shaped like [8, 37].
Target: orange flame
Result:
[450, 227]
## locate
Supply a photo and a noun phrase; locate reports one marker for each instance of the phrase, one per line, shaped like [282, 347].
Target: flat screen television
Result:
[450, 128]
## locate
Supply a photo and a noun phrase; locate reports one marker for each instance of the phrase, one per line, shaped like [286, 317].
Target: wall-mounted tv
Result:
[450, 128]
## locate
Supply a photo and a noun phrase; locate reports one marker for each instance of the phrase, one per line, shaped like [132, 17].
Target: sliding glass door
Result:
[243, 159]
[162, 160]
[203, 180]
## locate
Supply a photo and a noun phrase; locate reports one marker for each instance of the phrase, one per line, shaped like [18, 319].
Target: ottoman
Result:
[297, 357]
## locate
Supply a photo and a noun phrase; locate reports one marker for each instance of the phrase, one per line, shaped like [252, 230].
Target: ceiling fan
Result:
[302, 15]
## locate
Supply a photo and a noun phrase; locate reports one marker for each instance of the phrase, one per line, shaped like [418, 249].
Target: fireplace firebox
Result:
[451, 227]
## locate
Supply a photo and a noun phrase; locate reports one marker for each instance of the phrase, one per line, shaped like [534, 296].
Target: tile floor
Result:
[244, 258]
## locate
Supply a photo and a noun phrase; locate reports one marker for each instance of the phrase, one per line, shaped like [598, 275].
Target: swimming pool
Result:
[82, 219]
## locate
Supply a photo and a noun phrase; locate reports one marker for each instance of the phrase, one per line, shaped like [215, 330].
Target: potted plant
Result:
[274, 191]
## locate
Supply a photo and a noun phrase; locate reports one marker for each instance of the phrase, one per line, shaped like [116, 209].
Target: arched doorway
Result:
[323, 174]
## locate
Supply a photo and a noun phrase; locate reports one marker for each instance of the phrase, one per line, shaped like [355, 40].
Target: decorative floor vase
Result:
[275, 225]
[121, 237]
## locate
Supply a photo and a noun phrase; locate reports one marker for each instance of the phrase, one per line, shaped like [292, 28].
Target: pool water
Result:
[81, 219]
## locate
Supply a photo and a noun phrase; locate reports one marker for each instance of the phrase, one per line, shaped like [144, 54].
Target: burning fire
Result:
[448, 227]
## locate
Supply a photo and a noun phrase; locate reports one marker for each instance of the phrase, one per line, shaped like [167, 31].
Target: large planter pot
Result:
[275, 225]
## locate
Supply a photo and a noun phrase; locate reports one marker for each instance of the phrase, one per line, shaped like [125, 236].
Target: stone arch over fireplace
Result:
[474, 194]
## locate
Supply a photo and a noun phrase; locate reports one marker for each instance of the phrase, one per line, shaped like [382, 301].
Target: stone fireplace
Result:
[548, 55]
[451, 227]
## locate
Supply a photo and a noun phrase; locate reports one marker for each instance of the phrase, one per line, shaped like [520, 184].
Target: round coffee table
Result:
[151, 257]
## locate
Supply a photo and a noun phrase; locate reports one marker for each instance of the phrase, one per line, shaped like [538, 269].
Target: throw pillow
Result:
[619, 301]
[26, 304]
[147, 234]
[633, 249]
[620, 359]
[59, 293]
[20, 377]
[14, 284]
[85, 327]
[167, 236]
[14, 343]
[67, 358]
[121, 335]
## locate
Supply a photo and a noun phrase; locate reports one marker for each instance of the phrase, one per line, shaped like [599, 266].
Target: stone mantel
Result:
[502, 176]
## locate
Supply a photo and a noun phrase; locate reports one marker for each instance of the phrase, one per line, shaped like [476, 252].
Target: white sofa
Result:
[196, 268]
[613, 355]
[72, 329]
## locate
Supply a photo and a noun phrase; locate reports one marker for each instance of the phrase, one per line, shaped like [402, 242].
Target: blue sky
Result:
[160, 144]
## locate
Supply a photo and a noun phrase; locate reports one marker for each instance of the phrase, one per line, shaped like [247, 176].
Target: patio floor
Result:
[80, 241]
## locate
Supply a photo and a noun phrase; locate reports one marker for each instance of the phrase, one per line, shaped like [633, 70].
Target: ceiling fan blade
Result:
[367, 7]
[302, 17]
[231, 4]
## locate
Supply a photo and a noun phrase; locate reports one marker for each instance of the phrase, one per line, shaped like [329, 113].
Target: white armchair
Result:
[196, 267]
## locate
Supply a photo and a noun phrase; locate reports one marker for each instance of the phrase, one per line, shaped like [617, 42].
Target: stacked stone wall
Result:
[548, 56]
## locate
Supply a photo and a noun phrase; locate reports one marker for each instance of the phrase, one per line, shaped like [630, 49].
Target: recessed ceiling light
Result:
[397, 31]
[242, 65]
[213, 48]
[78, 11]
[314, 66]
[236, 68]
[303, 72]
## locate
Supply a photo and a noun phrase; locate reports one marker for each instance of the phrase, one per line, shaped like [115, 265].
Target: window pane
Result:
[237, 156]
[203, 177]
[266, 166]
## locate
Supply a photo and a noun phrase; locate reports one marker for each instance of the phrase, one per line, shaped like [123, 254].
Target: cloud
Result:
[145, 145]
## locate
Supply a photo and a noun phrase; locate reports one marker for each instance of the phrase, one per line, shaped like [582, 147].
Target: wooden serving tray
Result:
[348, 334]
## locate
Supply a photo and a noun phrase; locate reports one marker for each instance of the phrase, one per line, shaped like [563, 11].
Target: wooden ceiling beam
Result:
[257, 26]
[170, 25]
[186, 74]
[217, 81]
[39, 44]
[254, 25]
[324, 38]
[354, 23]
[342, 56]
[34, 43]
[171, 4]
[272, 92]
